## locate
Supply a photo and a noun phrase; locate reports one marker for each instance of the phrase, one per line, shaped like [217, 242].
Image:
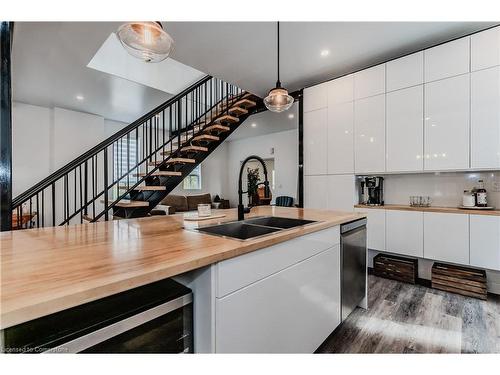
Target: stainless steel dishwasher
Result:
[353, 265]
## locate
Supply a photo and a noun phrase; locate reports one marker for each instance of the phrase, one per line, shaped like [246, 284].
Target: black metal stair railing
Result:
[87, 188]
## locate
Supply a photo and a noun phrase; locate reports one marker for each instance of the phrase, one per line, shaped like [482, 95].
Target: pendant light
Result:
[278, 99]
[145, 40]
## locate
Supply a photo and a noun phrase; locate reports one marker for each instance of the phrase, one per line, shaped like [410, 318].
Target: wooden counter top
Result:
[51, 269]
[449, 210]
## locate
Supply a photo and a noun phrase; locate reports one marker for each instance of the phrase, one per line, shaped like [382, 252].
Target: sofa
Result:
[173, 203]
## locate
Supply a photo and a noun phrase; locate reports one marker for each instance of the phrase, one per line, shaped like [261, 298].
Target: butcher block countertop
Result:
[47, 270]
[449, 210]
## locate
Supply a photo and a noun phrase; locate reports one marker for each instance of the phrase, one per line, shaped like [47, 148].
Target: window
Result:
[193, 180]
[124, 160]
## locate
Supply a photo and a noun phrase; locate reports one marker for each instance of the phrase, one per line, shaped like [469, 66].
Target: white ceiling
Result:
[267, 122]
[50, 58]
[244, 53]
[50, 69]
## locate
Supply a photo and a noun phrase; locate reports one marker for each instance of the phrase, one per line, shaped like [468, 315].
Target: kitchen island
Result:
[52, 269]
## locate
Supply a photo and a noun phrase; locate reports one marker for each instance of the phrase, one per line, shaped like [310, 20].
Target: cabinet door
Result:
[316, 192]
[341, 192]
[485, 118]
[405, 232]
[446, 237]
[276, 315]
[315, 97]
[369, 82]
[447, 60]
[405, 72]
[485, 49]
[341, 90]
[485, 241]
[315, 142]
[446, 124]
[375, 228]
[405, 130]
[341, 138]
[369, 135]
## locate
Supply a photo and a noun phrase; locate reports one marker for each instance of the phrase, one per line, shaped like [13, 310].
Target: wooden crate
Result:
[396, 268]
[461, 280]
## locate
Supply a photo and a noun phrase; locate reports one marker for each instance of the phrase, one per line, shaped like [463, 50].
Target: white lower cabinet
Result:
[446, 237]
[341, 194]
[485, 241]
[291, 311]
[405, 232]
[315, 192]
[375, 228]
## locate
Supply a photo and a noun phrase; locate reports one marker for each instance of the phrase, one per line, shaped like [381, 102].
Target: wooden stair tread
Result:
[238, 110]
[146, 188]
[159, 173]
[227, 118]
[128, 203]
[87, 218]
[205, 137]
[217, 127]
[181, 160]
[194, 148]
[245, 103]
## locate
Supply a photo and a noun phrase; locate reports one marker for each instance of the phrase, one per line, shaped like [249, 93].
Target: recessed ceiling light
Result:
[325, 53]
[291, 115]
[254, 125]
[80, 97]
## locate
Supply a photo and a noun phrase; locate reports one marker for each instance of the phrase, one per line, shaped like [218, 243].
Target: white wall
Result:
[44, 139]
[213, 174]
[445, 189]
[285, 156]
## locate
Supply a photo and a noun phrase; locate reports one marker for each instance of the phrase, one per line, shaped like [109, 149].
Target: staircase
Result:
[129, 173]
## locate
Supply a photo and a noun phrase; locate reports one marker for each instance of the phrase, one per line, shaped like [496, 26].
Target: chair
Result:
[284, 201]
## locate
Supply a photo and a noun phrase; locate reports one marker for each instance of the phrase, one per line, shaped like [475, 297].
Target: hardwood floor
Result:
[405, 318]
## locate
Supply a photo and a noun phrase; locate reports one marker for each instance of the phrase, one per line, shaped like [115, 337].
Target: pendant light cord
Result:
[278, 83]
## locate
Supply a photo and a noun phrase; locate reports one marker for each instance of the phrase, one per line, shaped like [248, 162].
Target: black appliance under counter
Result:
[155, 318]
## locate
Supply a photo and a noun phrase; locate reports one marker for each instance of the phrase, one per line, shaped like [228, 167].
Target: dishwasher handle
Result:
[344, 228]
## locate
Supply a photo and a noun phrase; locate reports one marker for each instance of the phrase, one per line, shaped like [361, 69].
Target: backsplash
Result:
[445, 188]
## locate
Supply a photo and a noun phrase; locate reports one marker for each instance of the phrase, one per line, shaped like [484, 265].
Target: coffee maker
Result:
[372, 191]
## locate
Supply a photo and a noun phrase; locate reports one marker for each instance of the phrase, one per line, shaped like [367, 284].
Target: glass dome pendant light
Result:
[145, 40]
[278, 99]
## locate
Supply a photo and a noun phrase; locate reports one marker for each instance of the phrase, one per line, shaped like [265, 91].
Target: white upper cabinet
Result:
[341, 192]
[369, 135]
[315, 142]
[485, 241]
[369, 82]
[316, 97]
[485, 118]
[341, 90]
[405, 232]
[446, 237]
[341, 138]
[405, 130]
[485, 49]
[447, 60]
[405, 72]
[446, 124]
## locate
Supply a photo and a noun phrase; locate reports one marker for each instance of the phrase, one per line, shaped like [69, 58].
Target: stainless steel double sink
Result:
[254, 227]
